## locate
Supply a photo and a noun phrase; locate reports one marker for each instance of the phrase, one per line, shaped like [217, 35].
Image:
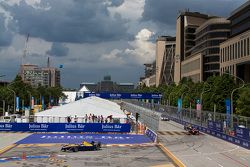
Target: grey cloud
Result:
[58, 49]
[5, 35]
[116, 2]
[166, 11]
[77, 21]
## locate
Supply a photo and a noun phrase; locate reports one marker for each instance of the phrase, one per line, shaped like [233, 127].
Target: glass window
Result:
[241, 48]
[245, 47]
[238, 49]
[248, 47]
[233, 51]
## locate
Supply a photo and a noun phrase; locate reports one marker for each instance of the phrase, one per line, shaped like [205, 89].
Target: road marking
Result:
[220, 165]
[7, 148]
[209, 158]
[171, 155]
[234, 160]
[243, 158]
[212, 153]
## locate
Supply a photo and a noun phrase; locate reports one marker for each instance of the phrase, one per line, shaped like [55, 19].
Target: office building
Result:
[186, 25]
[149, 78]
[235, 52]
[40, 76]
[165, 53]
[203, 59]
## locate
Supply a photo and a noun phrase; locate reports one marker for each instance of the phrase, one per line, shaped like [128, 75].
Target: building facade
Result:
[39, 76]
[186, 25]
[208, 37]
[235, 52]
[165, 52]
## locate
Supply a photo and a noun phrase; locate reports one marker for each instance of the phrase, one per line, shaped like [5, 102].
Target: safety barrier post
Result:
[24, 157]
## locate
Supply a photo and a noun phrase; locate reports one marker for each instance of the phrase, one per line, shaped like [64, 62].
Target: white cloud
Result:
[130, 9]
[142, 50]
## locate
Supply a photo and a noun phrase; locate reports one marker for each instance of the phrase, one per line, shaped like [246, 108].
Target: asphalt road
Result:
[203, 150]
[134, 156]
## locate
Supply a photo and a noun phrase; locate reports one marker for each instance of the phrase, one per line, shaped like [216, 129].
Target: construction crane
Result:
[25, 49]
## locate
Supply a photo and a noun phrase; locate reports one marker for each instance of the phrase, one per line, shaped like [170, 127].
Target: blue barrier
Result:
[151, 134]
[232, 139]
[243, 133]
[72, 138]
[65, 127]
[125, 95]
[218, 126]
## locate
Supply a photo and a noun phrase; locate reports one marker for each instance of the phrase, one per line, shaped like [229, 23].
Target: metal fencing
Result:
[193, 116]
[55, 119]
[147, 117]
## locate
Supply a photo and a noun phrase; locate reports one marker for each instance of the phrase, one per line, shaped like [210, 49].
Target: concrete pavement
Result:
[203, 150]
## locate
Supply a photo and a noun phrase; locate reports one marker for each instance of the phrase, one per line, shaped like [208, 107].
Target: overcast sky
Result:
[92, 38]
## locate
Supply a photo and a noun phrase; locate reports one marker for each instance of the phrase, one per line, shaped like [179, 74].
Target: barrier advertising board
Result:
[217, 126]
[243, 133]
[151, 134]
[124, 95]
[232, 139]
[65, 127]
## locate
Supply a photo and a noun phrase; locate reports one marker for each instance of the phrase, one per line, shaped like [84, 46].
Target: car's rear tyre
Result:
[75, 149]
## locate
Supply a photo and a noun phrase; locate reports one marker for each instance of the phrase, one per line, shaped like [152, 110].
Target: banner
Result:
[217, 126]
[32, 102]
[228, 111]
[43, 107]
[243, 133]
[65, 127]
[17, 103]
[179, 104]
[151, 134]
[124, 95]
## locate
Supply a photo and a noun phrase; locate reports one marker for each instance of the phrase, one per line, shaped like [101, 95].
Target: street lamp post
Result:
[14, 97]
[243, 84]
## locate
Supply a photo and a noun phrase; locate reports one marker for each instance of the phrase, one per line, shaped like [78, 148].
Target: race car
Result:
[191, 130]
[164, 117]
[84, 146]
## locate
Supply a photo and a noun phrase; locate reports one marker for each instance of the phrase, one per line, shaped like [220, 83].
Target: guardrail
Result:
[147, 117]
[214, 128]
[55, 119]
[65, 127]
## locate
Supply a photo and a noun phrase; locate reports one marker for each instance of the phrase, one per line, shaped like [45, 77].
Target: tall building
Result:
[36, 76]
[235, 52]
[203, 59]
[165, 53]
[149, 77]
[186, 25]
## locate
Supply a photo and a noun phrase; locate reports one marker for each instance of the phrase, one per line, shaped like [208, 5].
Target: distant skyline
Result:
[92, 38]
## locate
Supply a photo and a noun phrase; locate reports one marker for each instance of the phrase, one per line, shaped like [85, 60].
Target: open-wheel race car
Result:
[191, 130]
[84, 146]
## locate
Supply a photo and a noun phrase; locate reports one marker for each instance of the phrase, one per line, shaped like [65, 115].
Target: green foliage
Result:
[243, 103]
[215, 90]
[24, 91]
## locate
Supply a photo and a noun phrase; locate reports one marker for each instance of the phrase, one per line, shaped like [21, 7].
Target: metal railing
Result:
[55, 119]
[147, 117]
[192, 115]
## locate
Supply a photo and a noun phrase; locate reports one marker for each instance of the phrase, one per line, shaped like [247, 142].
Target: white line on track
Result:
[220, 165]
[243, 158]
[209, 158]
[212, 153]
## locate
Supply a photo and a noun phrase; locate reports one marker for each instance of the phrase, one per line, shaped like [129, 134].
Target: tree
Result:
[243, 103]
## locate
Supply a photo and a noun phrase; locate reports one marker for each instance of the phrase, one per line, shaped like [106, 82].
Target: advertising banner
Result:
[243, 133]
[151, 134]
[43, 107]
[32, 102]
[124, 95]
[179, 104]
[65, 127]
[17, 103]
[228, 111]
[217, 126]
